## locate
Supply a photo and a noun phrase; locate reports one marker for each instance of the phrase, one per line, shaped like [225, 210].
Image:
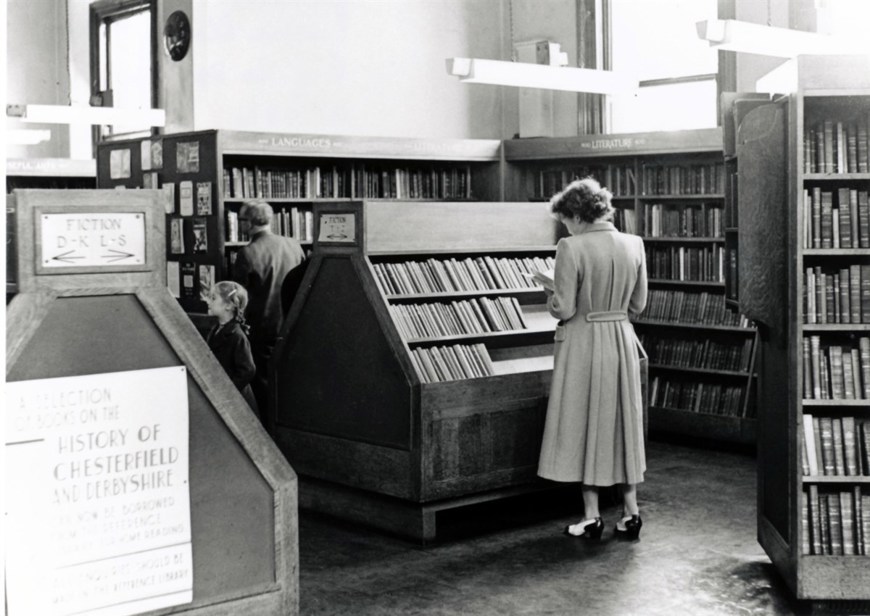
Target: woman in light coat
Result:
[594, 427]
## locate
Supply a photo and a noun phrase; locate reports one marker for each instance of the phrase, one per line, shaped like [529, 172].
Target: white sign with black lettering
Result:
[337, 228]
[95, 239]
[97, 498]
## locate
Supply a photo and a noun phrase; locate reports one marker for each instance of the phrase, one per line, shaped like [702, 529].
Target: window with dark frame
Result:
[123, 61]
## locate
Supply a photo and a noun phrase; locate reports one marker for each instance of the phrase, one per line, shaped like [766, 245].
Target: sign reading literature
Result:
[98, 501]
[338, 228]
[99, 239]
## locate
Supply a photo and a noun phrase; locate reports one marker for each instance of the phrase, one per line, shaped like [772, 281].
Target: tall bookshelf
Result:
[668, 187]
[208, 175]
[39, 173]
[804, 155]
[415, 363]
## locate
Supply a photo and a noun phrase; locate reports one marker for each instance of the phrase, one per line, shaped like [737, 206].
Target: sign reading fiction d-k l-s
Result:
[97, 499]
[91, 239]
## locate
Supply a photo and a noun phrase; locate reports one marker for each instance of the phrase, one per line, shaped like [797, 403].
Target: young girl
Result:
[228, 339]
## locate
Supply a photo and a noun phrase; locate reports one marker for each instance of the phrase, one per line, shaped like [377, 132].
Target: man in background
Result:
[261, 267]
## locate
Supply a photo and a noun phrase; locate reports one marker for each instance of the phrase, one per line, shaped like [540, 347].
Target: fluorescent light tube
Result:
[527, 75]
[746, 37]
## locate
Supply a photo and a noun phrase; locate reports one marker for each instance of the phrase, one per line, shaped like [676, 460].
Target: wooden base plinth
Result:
[408, 519]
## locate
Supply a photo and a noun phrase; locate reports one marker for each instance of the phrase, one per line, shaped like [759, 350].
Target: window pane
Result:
[675, 106]
[131, 66]
[656, 39]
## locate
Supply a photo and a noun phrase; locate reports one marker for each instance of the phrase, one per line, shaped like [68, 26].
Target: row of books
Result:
[701, 220]
[625, 220]
[835, 522]
[458, 275]
[835, 446]
[354, 181]
[698, 179]
[836, 372]
[845, 224]
[841, 296]
[453, 362]
[706, 398]
[704, 264]
[698, 353]
[619, 179]
[289, 222]
[475, 316]
[690, 307]
[836, 146]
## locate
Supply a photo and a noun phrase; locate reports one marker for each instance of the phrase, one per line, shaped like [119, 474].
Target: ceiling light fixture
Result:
[527, 75]
[67, 114]
[746, 37]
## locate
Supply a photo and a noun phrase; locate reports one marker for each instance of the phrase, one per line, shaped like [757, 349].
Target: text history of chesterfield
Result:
[98, 501]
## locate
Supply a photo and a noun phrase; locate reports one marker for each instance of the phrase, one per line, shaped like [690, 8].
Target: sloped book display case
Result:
[809, 290]
[668, 187]
[415, 363]
[207, 175]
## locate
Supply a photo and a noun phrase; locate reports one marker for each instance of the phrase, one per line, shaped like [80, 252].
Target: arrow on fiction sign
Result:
[118, 256]
[67, 256]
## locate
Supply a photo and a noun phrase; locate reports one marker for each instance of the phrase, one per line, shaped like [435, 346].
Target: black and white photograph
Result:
[437, 307]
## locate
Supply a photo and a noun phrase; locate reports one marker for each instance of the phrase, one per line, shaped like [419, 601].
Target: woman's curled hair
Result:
[584, 199]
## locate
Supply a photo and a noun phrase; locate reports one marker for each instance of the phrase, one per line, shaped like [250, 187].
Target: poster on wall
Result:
[97, 495]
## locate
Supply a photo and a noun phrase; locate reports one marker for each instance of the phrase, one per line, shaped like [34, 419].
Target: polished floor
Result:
[697, 555]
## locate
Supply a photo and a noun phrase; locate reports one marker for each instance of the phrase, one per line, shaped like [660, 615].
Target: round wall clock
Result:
[176, 35]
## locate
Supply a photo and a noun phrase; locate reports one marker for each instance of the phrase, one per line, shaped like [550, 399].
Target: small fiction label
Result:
[337, 228]
[98, 239]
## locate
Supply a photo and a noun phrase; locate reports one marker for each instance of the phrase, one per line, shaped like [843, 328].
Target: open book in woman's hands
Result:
[545, 278]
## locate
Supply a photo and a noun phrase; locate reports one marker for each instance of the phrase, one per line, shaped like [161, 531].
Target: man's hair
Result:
[257, 211]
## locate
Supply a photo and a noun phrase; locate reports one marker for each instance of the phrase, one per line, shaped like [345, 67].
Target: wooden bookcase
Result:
[210, 173]
[39, 173]
[373, 438]
[734, 106]
[668, 187]
[807, 514]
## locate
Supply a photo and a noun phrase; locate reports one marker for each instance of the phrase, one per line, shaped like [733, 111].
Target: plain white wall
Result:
[352, 67]
[36, 69]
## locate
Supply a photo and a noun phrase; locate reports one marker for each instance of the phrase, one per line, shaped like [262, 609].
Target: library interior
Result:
[514, 307]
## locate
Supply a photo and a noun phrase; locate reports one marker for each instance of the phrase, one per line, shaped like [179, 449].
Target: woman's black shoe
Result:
[591, 530]
[632, 528]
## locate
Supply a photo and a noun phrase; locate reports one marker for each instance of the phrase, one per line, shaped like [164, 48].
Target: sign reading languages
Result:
[97, 498]
[88, 240]
[337, 228]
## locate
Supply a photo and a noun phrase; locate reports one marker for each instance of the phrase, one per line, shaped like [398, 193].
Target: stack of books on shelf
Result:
[619, 179]
[701, 353]
[836, 372]
[294, 222]
[290, 222]
[837, 146]
[705, 398]
[835, 522]
[837, 295]
[835, 446]
[625, 220]
[701, 220]
[459, 275]
[453, 362]
[685, 263]
[353, 181]
[689, 307]
[844, 223]
[475, 316]
[695, 179]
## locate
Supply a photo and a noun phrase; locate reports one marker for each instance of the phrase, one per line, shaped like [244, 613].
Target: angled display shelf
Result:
[415, 363]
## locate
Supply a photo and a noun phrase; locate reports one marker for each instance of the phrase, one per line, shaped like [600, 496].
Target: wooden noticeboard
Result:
[142, 483]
